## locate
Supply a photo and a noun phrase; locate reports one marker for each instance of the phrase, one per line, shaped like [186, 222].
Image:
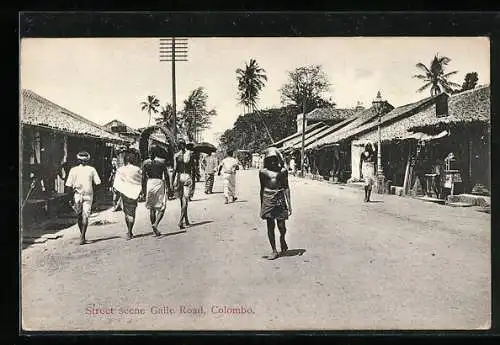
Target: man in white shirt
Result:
[228, 168]
[81, 179]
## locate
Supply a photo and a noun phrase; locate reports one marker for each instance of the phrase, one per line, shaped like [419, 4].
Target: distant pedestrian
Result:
[155, 172]
[128, 184]
[367, 169]
[81, 179]
[210, 170]
[183, 179]
[275, 198]
[116, 196]
[293, 166]
[228, 168]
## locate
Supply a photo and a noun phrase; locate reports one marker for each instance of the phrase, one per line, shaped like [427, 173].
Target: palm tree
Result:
[151, 106]
[251, 80]
[435, 77]
[166, 113]
[195, 112]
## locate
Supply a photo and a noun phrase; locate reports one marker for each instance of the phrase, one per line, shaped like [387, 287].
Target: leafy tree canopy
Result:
[306, 85]
[248, 131]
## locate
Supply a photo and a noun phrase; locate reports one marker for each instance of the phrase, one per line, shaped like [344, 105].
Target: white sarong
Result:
[155, 193]
[229, 185]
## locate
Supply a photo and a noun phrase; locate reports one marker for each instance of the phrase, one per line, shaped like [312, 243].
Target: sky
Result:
[104, 79]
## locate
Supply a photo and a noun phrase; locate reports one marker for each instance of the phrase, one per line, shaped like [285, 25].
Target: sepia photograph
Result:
[255, 183]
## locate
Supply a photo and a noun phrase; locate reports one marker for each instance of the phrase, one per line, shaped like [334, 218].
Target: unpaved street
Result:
[397, 263]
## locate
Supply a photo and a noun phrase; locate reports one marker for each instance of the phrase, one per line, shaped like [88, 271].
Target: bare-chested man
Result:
[275, 198]
[183, 179]
[155, 170]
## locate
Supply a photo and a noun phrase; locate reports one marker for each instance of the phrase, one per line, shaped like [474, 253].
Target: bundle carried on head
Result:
[274, 152]
[144, 145]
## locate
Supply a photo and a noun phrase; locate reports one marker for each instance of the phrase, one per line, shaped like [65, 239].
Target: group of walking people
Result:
[154, 173]
[128, 180]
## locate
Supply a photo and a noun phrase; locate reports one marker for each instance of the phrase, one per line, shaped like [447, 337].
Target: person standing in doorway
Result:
[155, 171]
[128, 184]
[275, 199]
[183, 179]
[210, 170]
[228, 168]
[81, 179]
[367, 169]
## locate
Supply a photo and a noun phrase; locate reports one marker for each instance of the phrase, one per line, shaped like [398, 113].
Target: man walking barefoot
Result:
[128, 183]
[81, 179]
[275, 198]
[183, 179]
[228, 167]
[210, 170]
[155, 170]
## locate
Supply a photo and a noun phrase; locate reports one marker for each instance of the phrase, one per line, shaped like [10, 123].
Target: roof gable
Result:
[117, 123]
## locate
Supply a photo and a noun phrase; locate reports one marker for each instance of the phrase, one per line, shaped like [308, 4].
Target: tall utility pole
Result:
[302, 151]
[378, 105]
[173, 49]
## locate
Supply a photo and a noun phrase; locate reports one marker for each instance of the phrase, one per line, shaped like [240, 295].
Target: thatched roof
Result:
[296, 143]
[309, 128]
[110, 126]
[465, 107]
[358, 129]
[359, 119]
[38, 111]
[329, 114]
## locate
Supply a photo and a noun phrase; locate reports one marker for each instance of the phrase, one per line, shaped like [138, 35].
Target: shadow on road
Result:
[103, 239]
[143, 235]
[290, 252]
[293, 252]
[199, 199]
[240, 200]
[173, 233]
[201, 223]
[375, 201]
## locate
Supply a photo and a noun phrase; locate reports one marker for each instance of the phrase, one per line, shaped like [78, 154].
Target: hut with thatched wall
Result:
[330, 151]
[468, 124]
[434, 127]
